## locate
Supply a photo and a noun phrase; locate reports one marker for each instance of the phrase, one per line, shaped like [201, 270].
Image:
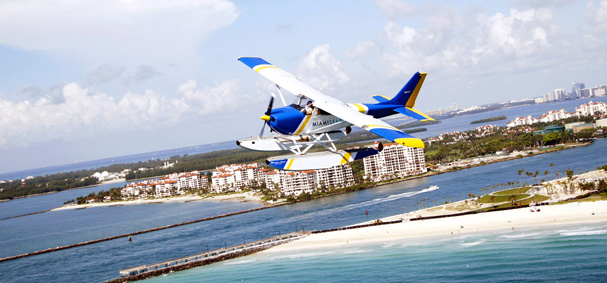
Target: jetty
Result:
[128, 235]
[151, 270]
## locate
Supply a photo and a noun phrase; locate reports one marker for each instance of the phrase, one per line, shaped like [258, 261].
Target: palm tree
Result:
[512, 199]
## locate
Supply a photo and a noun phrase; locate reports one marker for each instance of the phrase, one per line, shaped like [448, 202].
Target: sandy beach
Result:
[496, 222]
[240, 197]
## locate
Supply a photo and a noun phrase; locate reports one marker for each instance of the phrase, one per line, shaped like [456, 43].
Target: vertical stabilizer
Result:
[408, 94]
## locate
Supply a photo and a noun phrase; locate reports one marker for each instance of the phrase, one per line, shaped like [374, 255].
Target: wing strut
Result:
[282, 97]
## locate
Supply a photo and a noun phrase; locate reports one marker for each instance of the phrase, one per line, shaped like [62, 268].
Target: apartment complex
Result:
[238, 176]
[235, 177]
[588, 109]
[169, 185]
[394, 161]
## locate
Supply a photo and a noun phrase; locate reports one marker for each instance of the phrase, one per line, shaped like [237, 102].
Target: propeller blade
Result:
[262, 128]
[268, 112]
[270, 106]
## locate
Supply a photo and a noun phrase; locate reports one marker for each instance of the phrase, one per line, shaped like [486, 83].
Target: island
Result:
[498, 118]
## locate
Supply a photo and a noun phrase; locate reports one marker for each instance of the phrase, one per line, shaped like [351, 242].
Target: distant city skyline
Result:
[96, 80]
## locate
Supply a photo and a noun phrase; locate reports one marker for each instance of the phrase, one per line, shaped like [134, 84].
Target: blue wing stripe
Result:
[280, 164]
[380, 98]
[252, 62]
[410, 113]
[390, 134]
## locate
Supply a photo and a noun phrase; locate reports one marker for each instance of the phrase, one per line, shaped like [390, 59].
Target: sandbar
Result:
[240, 197]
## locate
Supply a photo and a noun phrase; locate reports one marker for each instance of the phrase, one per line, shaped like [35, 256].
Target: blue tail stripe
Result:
[405, 93]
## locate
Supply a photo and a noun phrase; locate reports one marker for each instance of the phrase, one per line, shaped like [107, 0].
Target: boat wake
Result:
[388, 198]
[381, 200]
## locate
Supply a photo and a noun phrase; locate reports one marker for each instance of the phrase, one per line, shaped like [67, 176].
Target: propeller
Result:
[266, 117]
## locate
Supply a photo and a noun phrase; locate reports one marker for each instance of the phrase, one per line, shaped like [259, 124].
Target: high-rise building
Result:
[395, 161]
[575, 89]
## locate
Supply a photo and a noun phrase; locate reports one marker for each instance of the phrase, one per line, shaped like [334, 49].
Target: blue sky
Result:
[84, 80]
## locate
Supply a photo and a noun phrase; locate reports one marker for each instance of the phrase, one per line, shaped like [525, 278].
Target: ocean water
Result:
[565, 254]
[102, 261]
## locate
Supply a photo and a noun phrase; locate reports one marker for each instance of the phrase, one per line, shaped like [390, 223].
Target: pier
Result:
[151, 270]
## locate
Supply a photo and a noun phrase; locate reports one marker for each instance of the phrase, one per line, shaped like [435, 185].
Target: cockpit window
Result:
[298, 107]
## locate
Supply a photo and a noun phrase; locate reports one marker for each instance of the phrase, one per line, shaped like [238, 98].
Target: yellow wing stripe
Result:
[346, 158]
[303, 124]
[428, 118]
[410, 142]
[261, 67]
[289, 164]
[360, 108]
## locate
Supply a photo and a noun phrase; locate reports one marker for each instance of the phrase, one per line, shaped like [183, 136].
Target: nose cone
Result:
[265, 118]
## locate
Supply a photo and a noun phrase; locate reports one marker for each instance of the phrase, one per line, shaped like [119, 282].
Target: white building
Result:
[591, 108]
[553, 115]
[335, 177]
[598, 90]
[394, 161]
[169, 185]
[519, 121]
[297, 182]
[235, 177]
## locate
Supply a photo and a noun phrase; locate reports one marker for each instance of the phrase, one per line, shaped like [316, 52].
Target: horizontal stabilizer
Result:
[396, 135]
[414, 113]
[381, 98]
[319, 160]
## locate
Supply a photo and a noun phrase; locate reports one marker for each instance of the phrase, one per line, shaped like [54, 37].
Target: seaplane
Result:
[323, 120]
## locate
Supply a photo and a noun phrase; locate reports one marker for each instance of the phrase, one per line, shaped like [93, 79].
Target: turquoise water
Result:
[102, 261]
[570, 254]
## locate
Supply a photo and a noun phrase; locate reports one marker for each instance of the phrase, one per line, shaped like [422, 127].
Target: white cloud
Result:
[99, 32]
[211, 100]
[597, 16]
[84, 114]
[104, 74]
[321, 70]
[395, 8]
[453, 40]
[362, 48]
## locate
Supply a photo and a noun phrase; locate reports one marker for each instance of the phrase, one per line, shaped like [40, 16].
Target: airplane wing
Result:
[329, 104]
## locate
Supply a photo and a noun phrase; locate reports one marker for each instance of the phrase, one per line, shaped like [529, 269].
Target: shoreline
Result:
[240, 197]
[444, 228]
[228, 196]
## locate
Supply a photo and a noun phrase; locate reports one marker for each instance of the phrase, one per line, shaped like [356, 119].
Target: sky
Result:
[86, 80]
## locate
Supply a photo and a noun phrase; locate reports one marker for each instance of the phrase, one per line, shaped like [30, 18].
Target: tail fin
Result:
[408, 94]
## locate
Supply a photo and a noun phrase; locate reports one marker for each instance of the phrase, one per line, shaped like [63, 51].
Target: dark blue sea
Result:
[562, 253]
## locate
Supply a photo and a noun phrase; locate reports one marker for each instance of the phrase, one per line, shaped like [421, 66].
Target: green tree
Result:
[552, 138]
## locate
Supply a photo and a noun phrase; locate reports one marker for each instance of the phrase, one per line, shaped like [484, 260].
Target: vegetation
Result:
[40, 185]
[443, 151]
[503, 139]
[498, 118]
